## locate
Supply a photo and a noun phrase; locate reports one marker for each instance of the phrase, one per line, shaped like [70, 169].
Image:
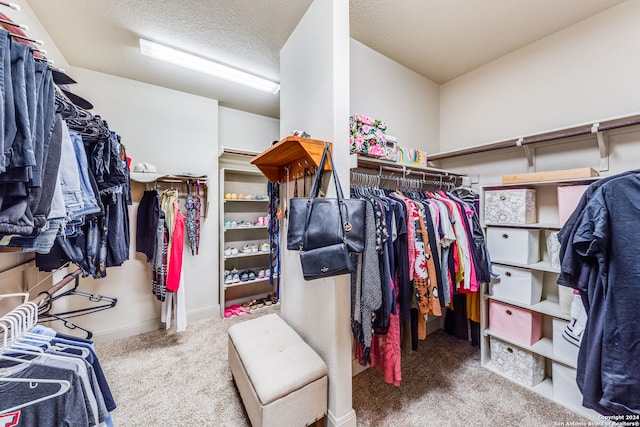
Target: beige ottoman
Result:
[281, 380]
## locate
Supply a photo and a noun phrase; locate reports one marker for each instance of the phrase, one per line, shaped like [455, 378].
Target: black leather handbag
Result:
[318, 222]
[326, 261]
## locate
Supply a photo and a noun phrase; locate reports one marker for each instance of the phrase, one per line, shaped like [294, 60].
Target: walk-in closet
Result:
[330, 213]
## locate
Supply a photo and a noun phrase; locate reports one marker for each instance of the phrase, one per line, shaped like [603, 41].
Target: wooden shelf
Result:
[293, 152]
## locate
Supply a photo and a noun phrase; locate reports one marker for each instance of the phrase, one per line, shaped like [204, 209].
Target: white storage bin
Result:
[513, 245]
[513, 206]
[565, 297]
[517, 284]
[565, 389]
[561, 347]
[520, 365]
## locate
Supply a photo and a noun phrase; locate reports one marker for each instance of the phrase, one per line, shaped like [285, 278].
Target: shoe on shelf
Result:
[261, 274]
[234, 196]
[252, 275]
[230, 224]
[244, 276]
[227, 251]
[245, 224]
[254, 248]
[228, 279]
[248, 197]
[227, 195]
[265, 247]
[235, 277]
[246, 249]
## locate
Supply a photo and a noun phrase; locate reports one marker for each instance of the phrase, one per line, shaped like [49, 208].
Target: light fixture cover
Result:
[196, 63]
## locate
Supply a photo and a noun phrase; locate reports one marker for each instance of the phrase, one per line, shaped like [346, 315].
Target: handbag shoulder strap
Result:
[315, 188]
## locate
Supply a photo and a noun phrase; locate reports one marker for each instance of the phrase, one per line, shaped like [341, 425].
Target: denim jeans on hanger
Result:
[20, 154]
[90, 205]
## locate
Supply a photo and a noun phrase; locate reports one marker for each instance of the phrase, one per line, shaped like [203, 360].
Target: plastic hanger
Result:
[64, 386]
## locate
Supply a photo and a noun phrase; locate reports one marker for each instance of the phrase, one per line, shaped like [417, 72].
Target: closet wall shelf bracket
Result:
[603, 146]
[530, 153]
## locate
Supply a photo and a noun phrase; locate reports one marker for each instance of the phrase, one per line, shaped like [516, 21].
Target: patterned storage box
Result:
[553, 248]
[367, 136]
[519, 324]
[517, 206]
[520, 365]
[411, 156]
[391, 148]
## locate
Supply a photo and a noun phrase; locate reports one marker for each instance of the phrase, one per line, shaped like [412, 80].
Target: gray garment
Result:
[80, 369]
[102, 411]
[371, 298]
[68, 409]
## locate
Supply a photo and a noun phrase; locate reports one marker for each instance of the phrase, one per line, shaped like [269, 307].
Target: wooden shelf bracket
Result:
[290, 158]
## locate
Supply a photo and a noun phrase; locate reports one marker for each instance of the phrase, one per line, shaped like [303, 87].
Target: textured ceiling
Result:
[439, 39]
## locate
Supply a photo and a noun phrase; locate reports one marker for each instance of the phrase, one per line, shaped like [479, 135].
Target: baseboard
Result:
[127, 331]
[152, 325]
[203, 313]
[347, 420]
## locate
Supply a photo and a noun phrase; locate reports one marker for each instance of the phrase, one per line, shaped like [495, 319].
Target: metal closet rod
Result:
[39, 299]
[406, 172]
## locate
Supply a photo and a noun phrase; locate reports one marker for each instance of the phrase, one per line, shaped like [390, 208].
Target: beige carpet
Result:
[167, 379]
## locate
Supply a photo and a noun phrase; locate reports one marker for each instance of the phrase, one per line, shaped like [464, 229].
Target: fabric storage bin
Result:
[568, 198]
[565, 389]
[561, 347]
[367, 136]
[519, 324]
[565, 297]
[520, 365]
[517, 284]
[516, 206]
[553, 248]
[517, 245]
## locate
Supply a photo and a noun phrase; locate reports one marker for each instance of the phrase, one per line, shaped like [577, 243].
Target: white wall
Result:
[246, 131]
[315, 98]
[177, 132]
[385, 90]
[586, 72]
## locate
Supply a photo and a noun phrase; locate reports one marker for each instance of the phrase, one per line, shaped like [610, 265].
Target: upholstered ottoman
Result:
[281, 380]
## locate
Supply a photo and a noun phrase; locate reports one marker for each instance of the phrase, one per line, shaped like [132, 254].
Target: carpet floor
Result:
[164, 378]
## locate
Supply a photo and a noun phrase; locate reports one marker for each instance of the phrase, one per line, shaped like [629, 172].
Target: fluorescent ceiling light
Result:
[206, 66]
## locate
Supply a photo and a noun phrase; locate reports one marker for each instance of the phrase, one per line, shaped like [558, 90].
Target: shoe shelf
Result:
[246, 227]
[242, 223]
[242, 255]
[247, 282]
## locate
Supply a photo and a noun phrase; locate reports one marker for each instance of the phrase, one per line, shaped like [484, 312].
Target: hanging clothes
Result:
[420, 256]
[592, 261]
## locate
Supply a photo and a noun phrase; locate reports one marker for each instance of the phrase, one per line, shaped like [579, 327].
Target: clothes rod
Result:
[42, 296]
[545, 137]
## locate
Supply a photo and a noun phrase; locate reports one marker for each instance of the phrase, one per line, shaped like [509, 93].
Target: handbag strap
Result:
[315, 189]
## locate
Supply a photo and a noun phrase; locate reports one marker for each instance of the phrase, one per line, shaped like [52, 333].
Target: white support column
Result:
[314, 97]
